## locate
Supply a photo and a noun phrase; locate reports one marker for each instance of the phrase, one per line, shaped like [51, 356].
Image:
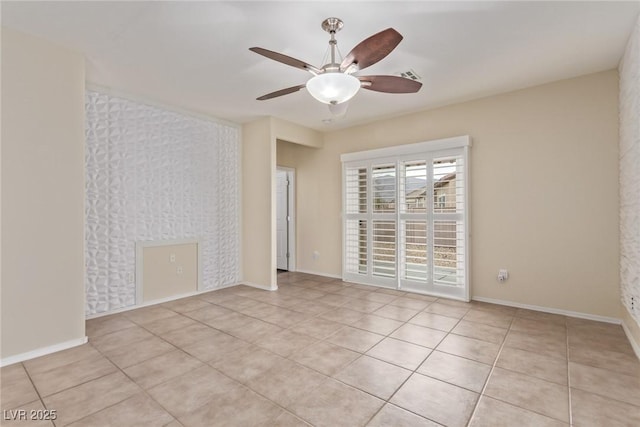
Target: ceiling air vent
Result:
[410, 74]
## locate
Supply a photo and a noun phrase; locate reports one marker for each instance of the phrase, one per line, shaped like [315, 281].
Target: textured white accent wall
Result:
[153, 174]
[630, 174]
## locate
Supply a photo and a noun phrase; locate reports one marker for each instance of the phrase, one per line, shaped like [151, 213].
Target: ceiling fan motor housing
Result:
[332, 25]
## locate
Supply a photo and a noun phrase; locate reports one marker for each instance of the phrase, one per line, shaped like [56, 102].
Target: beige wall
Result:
[258, 209]
[544, 191]
[307, 161]
[259, 141]
[287, 131]
[42, 194]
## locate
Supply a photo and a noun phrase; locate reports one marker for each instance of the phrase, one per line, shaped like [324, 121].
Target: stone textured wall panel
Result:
[630, 174]
[153, 174]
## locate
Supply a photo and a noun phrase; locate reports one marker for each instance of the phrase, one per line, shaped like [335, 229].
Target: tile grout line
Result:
[566, 328]
[328, 377]
[413, 372]
[145, 391]
[26, 371]
[493, 366]
[134, 382]
[405, 322]
[342, 325]
[207, 363]
[75, 385]
[250, 343]
[142, 325]
[388, 335]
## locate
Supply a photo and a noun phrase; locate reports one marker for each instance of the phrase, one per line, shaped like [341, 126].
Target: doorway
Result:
[285, 218]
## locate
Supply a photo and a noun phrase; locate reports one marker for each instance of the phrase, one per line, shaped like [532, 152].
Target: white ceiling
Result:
[194, 55]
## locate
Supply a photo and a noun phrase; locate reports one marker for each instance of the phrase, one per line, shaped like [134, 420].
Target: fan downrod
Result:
[332, 25]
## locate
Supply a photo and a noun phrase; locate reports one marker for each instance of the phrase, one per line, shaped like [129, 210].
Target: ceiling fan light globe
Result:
[333, 88]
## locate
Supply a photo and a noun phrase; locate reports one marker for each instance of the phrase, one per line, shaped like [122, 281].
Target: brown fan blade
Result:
[280, 92]
[373, 49]
[390, 84]
[286, 59]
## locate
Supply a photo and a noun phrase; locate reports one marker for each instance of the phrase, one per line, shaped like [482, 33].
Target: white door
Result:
[282, 223]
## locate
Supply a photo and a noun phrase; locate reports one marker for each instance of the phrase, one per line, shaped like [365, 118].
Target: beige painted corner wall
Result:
[42, 195]
[259, 243]
[311, 214]
[258, 172]
[544, 191]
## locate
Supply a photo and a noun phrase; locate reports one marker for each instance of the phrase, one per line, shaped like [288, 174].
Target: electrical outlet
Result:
[316, 255]
[179, 270]
[503, 274]
[172, 258]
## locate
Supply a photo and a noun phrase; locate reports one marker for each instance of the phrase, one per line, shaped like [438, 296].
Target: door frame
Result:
[291, 235]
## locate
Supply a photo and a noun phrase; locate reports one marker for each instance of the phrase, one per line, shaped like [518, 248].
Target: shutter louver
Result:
[414, 235]
[384, 248]
[356, 188]
[356, 246]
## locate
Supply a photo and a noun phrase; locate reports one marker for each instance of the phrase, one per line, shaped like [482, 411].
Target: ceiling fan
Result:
[335, 83]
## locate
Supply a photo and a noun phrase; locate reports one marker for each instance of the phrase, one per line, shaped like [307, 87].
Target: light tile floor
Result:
[327, 353]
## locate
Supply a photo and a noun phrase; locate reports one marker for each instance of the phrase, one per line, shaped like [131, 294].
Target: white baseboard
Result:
[260, 286]
[568, 313]
[315, 273]
[42, 351]
[632, 340]
[156, 302]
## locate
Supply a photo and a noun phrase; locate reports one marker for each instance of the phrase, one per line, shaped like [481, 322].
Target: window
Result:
[405, 222]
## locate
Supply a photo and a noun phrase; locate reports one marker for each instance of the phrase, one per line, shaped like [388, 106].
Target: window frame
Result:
[398, 156]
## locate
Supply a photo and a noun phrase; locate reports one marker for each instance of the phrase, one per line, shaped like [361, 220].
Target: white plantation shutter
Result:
[448, 220]
[356, 189]
[406, 217]
[384, 248]
[414, 242]
[355, 229]
[356, 246]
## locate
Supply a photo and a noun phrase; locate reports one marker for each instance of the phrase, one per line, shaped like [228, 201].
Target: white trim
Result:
[167, 242]
[158, 301]
[43, 351]
[467, 222]
[401, 150]
[260, 286]
[146, 101]
[240, 216]
[291, 176]
[568, 313]
[373, 285]
[315, 273]
[430, 293]
[142, 244]
[632, 341]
